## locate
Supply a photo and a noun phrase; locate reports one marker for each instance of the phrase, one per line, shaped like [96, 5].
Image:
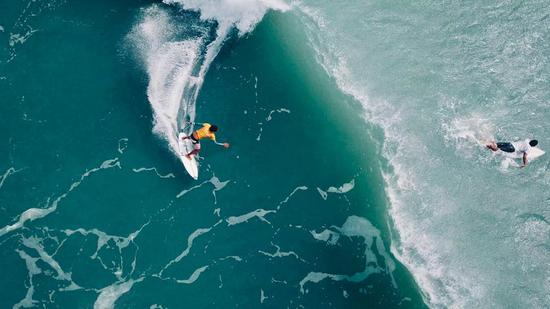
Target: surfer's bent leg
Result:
[197, 148]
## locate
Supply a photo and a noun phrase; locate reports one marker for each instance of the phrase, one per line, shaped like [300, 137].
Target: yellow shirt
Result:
[204, 132]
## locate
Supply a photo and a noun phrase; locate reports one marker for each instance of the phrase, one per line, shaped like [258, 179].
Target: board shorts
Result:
[196, 143]
[506, 147]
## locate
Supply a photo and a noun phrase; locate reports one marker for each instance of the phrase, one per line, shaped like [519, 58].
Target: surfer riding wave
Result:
[207, 131]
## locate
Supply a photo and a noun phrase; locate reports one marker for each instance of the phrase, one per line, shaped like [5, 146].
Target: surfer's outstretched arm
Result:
[524, 159]
[213, 138]
[226, 145]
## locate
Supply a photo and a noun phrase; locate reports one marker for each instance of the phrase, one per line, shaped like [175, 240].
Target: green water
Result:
[76, 134]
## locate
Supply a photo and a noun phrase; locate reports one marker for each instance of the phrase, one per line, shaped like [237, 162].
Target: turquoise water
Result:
[355, 176]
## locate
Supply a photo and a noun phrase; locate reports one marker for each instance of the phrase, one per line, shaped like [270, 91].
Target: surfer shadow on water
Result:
[523, 149]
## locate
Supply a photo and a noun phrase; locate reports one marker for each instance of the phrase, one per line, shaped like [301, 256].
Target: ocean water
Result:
[355, 177]
[441, 78]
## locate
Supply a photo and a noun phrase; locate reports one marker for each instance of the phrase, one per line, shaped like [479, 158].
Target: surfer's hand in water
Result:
[226, 145]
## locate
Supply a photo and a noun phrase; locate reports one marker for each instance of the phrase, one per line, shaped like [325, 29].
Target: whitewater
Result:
[177, 54]
[441, 78]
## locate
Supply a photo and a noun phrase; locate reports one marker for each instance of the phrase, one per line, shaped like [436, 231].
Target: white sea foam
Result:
[355, 227]
[269, 118]
[154, 169]
[22, 29]
[110, 294]
[33, 269]
[469, 132]
[345, 188]
[34, 243]
[218, 185]
[190, 241]
[37, 213]
[122, 145]
[322, 193]
[9, 171]
[280, 254]
[261, 213]
[103, 239]
[280, 110]
[232, 257]
[194, 276]
[214, 181]
[17, 38]
[185, 191]
[262, 296]
[243, 14]
[27, 301]
[30, 262]
[258, 213]
[300, 188]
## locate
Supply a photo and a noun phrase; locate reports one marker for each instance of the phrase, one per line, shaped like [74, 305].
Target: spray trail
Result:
[177, 55]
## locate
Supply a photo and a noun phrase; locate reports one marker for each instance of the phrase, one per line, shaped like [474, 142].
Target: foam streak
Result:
[38, 213]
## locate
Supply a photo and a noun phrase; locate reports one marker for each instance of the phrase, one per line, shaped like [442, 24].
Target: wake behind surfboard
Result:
[185, 147]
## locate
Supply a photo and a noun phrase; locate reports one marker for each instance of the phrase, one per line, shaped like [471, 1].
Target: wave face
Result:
[440, 79]
[177, 49]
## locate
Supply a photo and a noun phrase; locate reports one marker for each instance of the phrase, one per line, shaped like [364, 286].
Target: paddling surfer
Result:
[207, 131]
[520, 148]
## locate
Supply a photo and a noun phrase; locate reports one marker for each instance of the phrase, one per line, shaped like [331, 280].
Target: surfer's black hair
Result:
[533, 143]
[213, 128]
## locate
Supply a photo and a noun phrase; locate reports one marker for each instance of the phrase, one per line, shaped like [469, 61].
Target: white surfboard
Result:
[532, 153]
[191, 165]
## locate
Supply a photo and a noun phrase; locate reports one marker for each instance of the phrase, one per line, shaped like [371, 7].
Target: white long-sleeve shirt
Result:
[521, 147]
